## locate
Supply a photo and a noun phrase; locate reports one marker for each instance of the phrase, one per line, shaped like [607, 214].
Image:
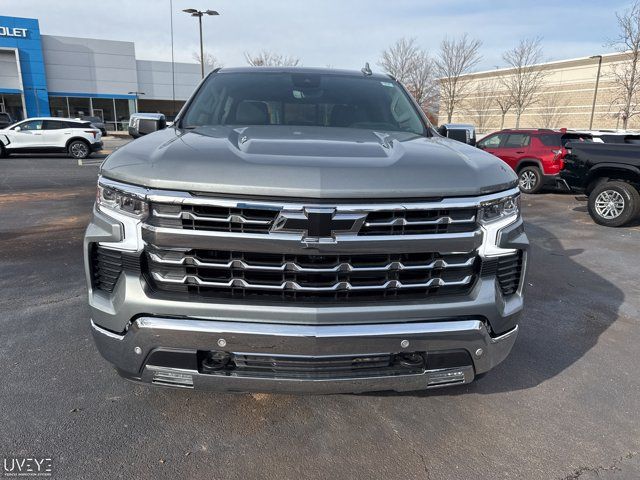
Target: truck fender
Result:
[615, 166]
[601, 172]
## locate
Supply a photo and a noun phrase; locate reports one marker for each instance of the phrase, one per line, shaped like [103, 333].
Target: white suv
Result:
[51, 134]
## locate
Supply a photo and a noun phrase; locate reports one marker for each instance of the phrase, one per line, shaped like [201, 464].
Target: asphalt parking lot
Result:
[564, 405]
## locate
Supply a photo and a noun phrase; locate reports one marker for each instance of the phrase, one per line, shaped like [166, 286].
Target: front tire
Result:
[614, 203]
[530, 180]
[79, 150]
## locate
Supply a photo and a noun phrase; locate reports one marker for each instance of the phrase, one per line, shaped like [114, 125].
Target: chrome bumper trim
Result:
[148, 334]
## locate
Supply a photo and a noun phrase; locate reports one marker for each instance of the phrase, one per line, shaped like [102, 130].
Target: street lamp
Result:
[198, 13]
[137, 94]
[595, 93]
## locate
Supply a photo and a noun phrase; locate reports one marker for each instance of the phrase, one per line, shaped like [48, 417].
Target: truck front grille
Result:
[397, 221]
[214, 273]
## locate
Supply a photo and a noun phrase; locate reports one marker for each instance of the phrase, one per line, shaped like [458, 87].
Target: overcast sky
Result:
[343, 34]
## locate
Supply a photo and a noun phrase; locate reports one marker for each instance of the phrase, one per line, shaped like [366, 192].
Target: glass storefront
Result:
[168, 107]
[114, 112]
[12, 104]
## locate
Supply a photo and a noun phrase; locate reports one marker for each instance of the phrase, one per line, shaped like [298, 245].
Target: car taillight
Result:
[95, 132]
[558, 156]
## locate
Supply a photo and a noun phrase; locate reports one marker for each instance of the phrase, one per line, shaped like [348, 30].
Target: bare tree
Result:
[266, 58]
[210, 61]
[422, 83]
[526, 78]
[626, 75]
[456, 58]
[398, 60]
[505, 103]
[550, 114]
[480, 103]
[412, 67]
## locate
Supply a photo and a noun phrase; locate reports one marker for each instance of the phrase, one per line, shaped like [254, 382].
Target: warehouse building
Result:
[565, 99]
[42, 75]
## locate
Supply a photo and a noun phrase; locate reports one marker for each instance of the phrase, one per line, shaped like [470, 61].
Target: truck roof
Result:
[302, 70]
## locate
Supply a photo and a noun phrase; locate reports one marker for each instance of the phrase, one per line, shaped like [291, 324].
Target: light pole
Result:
[198, 13]
[137, 94]
[595, 93]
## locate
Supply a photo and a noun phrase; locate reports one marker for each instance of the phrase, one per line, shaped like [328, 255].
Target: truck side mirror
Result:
[144, 124]
[462, 135]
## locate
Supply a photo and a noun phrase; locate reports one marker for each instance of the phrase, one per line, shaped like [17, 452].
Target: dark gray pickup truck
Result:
[304, 230]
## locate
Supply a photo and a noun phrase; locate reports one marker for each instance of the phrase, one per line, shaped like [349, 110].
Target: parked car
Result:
[5, 120]
[537, 156]
[304, 230]
[96, 122]
[609, 173]
[49, 135]
[461, 132]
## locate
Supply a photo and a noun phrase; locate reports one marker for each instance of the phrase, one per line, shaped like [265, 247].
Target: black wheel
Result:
[3, 152]
[530, 180]
[614, 203]
[79, 149]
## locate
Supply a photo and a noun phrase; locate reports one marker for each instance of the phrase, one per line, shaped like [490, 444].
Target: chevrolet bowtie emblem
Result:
[316, 224]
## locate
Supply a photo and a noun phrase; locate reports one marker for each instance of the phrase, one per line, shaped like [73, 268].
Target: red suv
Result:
[536, 155]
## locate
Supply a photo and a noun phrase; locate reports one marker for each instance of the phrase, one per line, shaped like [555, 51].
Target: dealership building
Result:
[47, 75]
[579, 93]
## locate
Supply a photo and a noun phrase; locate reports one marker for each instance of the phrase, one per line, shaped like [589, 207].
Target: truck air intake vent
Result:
[507, 269]
[107, 265]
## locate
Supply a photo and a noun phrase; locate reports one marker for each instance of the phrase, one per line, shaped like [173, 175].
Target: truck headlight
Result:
[109, 198]
[502, 208]
[494, 215]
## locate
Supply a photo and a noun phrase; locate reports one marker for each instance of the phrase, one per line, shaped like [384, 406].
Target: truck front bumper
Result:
[166, 352]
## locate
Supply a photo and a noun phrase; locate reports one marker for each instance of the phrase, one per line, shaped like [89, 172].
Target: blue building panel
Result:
[23, 34]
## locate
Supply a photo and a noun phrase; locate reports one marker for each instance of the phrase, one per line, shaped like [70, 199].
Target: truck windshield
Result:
[303, 99]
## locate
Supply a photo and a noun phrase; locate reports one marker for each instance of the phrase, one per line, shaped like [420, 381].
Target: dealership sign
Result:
[13, 32]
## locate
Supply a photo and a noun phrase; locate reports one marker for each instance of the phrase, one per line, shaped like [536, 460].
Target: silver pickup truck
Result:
[304, 230]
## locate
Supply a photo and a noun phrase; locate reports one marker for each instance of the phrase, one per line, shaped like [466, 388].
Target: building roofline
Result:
[542, 64]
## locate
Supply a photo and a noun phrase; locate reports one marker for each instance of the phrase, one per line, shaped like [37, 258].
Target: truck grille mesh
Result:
[213, 273]
[321, 367]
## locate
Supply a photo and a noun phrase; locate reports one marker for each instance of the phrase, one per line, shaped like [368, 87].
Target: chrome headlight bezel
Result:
[129, 203]
[499, 210]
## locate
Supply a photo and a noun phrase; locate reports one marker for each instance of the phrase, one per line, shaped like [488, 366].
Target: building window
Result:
[104, 109]
[12, 104]
[58, 106]
[79, 107]
[123, 112]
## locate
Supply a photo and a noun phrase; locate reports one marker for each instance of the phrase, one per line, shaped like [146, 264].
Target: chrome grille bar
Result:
[294, 286]
[404, 222]
[294, 267]
[186, 215]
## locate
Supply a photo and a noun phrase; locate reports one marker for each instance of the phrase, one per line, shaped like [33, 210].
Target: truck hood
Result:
[307, 162]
